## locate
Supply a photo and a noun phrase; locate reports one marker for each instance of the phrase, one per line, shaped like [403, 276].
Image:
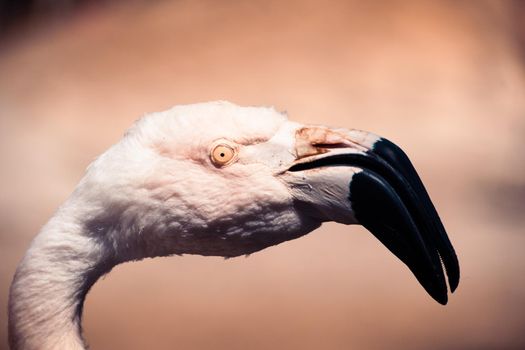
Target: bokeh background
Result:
[444, 79]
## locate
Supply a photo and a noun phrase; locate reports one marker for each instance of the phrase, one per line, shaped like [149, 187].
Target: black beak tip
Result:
[395, 156]
[390, 200]
[453, 287]
[443, 300]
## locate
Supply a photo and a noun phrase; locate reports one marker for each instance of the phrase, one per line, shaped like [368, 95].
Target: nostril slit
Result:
[330, 145]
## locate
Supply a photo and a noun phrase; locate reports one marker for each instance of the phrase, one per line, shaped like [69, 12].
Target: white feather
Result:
[157, 193]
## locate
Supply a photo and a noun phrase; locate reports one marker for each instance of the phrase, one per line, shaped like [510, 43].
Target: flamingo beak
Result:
[352, 176]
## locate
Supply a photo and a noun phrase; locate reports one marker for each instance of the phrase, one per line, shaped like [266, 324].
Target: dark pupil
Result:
[222, 154]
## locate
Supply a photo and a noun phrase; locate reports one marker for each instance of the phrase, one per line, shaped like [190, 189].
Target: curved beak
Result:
[352, 176]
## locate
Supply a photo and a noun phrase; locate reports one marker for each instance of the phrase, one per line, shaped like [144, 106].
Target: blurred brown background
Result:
[444, 79]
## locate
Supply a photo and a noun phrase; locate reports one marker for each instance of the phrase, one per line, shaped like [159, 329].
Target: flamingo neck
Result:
[50, 285]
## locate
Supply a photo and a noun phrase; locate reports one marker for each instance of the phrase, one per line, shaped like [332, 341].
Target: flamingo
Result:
[217, 179]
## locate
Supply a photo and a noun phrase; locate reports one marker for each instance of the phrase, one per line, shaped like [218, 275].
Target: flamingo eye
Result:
[222, 155]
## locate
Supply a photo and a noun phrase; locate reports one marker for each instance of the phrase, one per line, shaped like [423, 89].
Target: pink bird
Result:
[222, 180]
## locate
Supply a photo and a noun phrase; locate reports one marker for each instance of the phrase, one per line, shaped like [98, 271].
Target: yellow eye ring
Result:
[222, 154]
